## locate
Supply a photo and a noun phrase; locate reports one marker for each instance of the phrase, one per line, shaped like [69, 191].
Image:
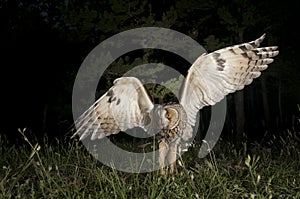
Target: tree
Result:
[237, 18]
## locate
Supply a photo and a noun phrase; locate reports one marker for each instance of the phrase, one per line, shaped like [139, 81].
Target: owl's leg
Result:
[163, 151]
[172, 157]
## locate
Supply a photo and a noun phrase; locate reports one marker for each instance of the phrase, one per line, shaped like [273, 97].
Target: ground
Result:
[64, 169]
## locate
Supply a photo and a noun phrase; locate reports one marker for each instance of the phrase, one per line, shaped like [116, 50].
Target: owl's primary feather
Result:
[211, 77]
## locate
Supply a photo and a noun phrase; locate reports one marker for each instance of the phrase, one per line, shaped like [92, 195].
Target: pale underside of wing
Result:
[212, 76]
[124, 106]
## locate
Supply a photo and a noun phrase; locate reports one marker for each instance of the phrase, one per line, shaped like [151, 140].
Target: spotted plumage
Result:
[211, 77]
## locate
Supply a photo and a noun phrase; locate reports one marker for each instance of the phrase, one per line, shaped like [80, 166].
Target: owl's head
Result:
[170, 115]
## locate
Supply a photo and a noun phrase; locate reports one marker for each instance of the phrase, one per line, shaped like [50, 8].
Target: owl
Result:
[210, 78]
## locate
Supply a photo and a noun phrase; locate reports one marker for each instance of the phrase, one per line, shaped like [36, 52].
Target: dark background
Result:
[43, 44]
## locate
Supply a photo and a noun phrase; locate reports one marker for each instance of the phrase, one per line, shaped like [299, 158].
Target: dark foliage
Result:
[43, 44]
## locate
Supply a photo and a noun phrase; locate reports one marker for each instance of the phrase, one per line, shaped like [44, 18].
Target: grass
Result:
[67, 170]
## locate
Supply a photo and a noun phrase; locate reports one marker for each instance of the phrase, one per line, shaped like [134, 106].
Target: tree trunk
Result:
[265, 103]
[239, 107]
[240, 116]
[44, 121]
[279, 122]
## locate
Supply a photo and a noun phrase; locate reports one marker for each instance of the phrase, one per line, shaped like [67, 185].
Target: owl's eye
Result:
[168, 115]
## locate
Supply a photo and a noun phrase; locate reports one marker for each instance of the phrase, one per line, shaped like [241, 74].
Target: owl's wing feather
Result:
[212, 76]
[124, 106]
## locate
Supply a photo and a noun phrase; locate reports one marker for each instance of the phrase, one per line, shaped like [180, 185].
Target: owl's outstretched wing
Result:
[125, 105]
[212, 76]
